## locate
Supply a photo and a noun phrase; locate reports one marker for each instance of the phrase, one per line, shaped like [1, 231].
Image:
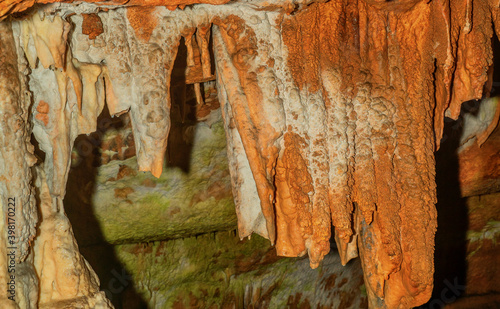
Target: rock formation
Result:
[332, 112]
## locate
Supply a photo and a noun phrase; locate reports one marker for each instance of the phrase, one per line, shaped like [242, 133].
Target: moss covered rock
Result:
[124, 205]
[217, 270]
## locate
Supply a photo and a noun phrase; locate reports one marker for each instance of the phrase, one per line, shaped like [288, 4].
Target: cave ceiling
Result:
[332, 111]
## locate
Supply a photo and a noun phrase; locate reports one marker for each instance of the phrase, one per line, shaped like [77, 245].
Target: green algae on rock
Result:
[132, 206]
[217, 269]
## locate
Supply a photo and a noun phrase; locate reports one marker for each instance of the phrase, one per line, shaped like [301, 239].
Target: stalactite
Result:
[327, 122]
[236, 53]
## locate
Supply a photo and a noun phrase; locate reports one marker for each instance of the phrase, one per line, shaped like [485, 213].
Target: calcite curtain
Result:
[332, 110]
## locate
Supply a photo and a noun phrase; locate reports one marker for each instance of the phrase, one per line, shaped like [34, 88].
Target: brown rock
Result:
[143, 20]
[43, 110]
[125, 171]
[482, 209]
[123, 193]
[92, 25]
[13, 6]
[149, 183]
[483, 248]
[479, 167]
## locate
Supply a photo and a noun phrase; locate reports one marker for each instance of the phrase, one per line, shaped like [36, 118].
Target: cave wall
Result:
[182, 250]
[218, 270]
[332, 112]
[17, 200]
[467, 236]
[467, 241]
[192, 196]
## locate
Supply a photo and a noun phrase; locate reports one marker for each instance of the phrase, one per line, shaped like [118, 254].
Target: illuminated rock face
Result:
[332, 113]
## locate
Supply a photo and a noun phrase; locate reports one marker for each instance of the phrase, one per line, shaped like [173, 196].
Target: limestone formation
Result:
[332, 112]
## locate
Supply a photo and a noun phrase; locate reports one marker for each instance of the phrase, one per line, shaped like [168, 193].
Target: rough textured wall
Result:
[227, 273]
[19, 216]
[188, 199]
[332, 112]
[189, 207]
[52, 271]
[467, 238]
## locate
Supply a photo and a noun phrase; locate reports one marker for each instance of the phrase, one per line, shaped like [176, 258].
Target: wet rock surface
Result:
[331, 112]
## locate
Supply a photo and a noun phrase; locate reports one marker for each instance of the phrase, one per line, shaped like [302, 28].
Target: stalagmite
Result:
[65, 278]
[332, 111]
